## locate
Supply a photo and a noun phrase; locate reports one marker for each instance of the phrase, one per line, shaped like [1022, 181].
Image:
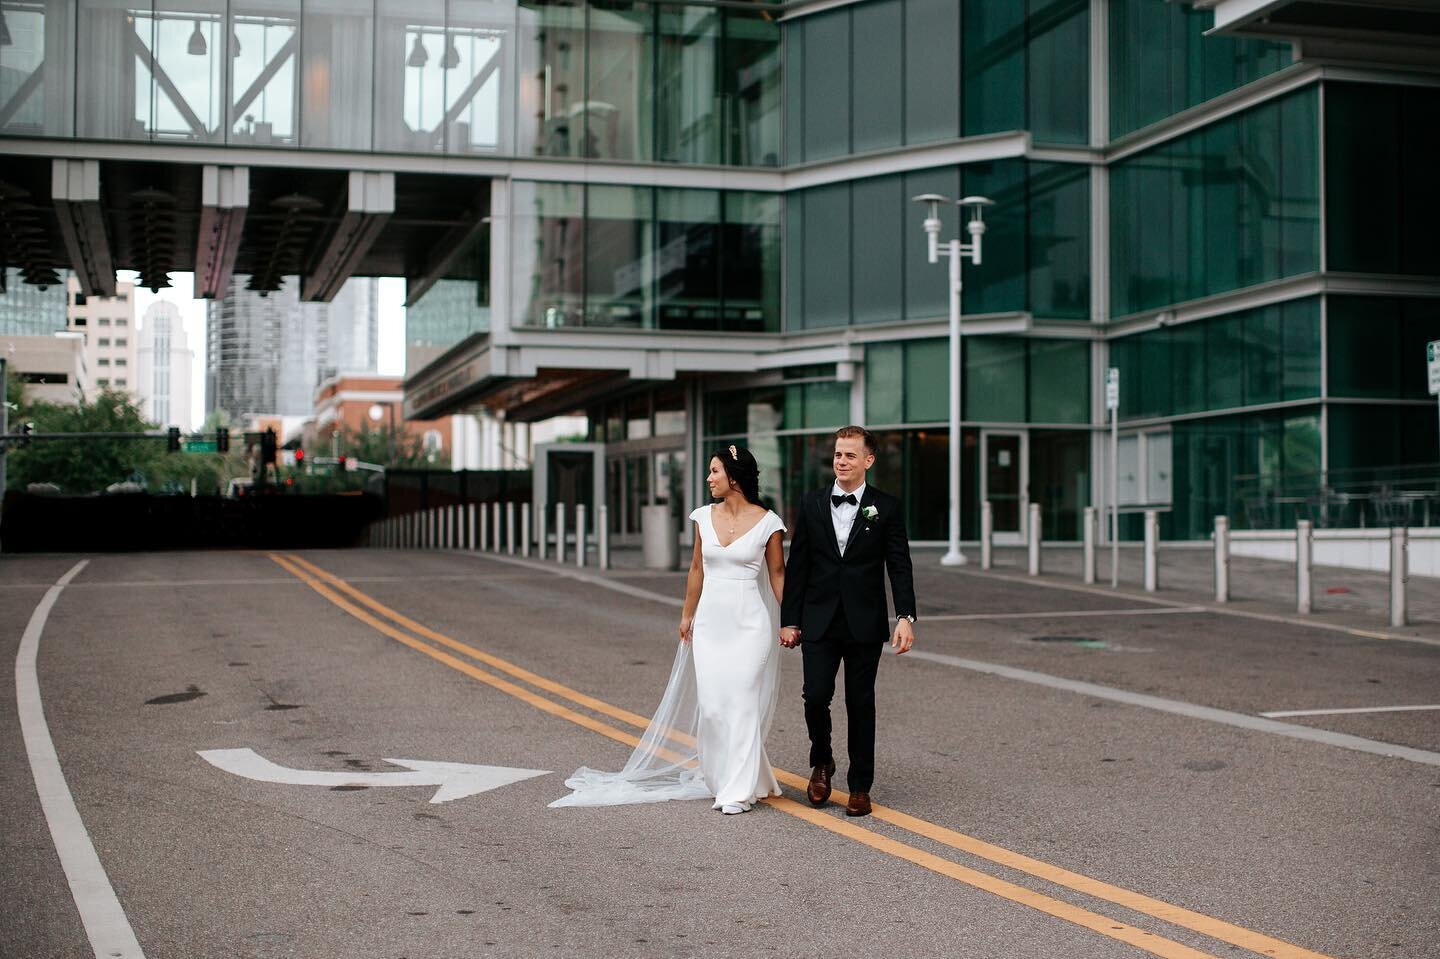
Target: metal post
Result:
[559, 532]
[602, 536]
[1304, 554]
[1114, 498]
[1088, 535]
[953, 556]
[472, 527]
[482, 510]
[581, 546]
[510, 528]
[1034, 538]
[541, 533]
[1152, 549]
[1399, 575]
[1222, 559]
[495, 527]
[987, 535]
[525, 530]
[450, 527]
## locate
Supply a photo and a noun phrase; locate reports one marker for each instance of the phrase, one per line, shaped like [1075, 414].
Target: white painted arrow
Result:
[456, 780]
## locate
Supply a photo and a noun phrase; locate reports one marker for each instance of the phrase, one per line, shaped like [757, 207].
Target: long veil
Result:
[665, 764]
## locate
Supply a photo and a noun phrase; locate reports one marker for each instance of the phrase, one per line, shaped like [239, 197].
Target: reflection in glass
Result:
[614, 123]
[477, 78]
[619, 270]
[548, 252]
[687, 259]
[688, 108]
[337, 76]
[264, 50]
[551, 95]
[36, 68]
[411, 47]
[752, 89]
[750, 262]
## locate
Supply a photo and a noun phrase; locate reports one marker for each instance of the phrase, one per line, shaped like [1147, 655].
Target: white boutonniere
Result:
[871, 514]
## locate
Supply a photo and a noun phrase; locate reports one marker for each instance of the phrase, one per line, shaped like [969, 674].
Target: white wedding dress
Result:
[707, 738]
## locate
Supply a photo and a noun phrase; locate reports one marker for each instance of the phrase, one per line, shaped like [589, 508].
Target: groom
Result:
[846, 537]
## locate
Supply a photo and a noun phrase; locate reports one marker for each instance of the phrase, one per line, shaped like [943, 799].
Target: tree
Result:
[374, 446]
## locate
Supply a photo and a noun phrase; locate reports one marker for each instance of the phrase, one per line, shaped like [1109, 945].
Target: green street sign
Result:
[201, 446]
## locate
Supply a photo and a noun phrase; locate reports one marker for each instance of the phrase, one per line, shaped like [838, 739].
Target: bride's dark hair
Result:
[740, 466]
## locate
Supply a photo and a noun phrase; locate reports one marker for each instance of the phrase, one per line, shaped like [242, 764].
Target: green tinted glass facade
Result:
[890, 73]
[1037, 246]
[1228, 206]
[1166, 64]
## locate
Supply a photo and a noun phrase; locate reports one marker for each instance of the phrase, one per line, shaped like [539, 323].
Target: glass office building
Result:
[698, 230]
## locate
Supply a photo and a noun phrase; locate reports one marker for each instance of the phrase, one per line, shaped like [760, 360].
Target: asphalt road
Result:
[1023, 815]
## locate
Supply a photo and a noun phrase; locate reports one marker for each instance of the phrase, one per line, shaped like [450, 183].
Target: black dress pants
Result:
[822, 657]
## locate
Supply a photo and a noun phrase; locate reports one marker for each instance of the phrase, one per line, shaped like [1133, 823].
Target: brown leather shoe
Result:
[818, 791]
[859, 805]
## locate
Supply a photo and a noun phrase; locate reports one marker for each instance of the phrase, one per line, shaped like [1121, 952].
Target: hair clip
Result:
[734, 455]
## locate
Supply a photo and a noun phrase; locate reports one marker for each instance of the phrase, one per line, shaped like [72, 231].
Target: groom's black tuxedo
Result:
[837, 600]
[820, 581]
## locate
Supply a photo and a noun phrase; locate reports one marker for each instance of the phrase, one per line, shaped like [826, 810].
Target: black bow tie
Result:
[847, 498]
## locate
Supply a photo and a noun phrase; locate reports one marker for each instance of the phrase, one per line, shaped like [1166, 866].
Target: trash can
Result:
[661, 539]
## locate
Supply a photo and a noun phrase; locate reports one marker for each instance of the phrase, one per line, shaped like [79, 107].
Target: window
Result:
[103, 361]
[122, 342]
[120, 361]
[103, 341]
[102, 382]
[79, 299]
[122, 322]
[121, 382]
[80, 321]
[102, 321]
[122, 297]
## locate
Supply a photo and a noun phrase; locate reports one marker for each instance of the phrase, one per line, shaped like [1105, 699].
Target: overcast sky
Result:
[392, 329]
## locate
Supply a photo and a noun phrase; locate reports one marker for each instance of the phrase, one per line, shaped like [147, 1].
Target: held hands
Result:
[789, 637]
[687, 628]
[904, 637]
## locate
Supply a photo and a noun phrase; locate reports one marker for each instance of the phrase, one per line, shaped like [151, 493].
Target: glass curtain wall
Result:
[1169, 65]
[888, 73]
[635, 81]
[37, 68]
[1381, 190]
[645, 258]
[1037, 256]
[1228, 206]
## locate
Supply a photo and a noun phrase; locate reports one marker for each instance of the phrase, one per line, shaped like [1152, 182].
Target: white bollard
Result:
[541, 533]
[525, 530]
[429, 530]
[1222, 559]
[1034, 538]
[510, 528]
[987, 535]
[559, 532]
[456, 533]
[581, 546]
[470, 526]
[1152, 550]
[449, 517]
[602, 536]
[1399, 575]
[1304, 556]
[483, 511]
[495, 527]
[1088, 535]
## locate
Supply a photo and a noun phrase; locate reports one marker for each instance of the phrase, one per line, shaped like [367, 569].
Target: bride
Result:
[707, 738]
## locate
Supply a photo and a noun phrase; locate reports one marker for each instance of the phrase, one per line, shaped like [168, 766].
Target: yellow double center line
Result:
[365, 608]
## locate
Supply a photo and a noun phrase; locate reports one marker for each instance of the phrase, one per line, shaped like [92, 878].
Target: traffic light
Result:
[299, 457]
[340, 463]
[267, 447]
[172, 439]
[222, 440]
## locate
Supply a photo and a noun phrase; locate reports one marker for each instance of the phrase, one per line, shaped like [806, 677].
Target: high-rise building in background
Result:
[165, 367]
[268, 354]
[27, 310]
[108, 330]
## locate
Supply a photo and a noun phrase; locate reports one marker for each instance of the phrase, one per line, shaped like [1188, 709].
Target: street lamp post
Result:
[955, 250]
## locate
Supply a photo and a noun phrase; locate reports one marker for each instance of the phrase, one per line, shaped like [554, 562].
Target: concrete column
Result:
[1304, 557]
[510, 528]
[1152, 550]
[495, 527]
[581, 546]
[1033, 535]
[1088, 535]
[987, 535]
[602, 536]
[1222, 559]
[559, 532]
[525, 529]
[1399, 575]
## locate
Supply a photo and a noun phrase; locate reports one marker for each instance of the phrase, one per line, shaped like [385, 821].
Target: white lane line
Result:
[1064, 614]
[1354, 709]
[105, 924]
[1225, 716]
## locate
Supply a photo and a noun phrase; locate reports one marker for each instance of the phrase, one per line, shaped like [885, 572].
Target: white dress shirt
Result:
[843, 516]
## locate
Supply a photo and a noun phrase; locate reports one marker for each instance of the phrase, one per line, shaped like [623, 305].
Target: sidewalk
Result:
[1344, 599]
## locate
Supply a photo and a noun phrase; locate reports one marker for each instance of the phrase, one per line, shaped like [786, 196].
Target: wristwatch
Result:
[905, 616]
